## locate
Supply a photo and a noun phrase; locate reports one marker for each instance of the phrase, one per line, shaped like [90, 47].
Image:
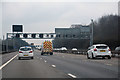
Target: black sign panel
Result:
[41, 35]
[17, 28]
[51, 36]
[17, 35]
[33, 35]
[25, 35]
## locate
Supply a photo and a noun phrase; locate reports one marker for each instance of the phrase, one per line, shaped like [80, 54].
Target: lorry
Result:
[47, 48]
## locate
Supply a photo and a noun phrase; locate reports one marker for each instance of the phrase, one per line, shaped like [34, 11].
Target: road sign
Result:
[17, 28]
[31, 35]
[43, 36]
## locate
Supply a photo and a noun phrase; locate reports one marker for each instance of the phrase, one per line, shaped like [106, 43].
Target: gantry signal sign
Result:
[31, 35]
[17, 28]
[41, 36]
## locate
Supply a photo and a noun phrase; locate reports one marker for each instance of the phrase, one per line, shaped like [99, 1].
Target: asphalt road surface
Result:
[59, 65]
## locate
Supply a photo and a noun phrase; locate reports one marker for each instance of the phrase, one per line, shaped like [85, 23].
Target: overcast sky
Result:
[46, 16]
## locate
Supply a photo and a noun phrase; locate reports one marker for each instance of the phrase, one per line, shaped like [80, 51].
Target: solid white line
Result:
[8, 62]
[73, 76]
[53, 65]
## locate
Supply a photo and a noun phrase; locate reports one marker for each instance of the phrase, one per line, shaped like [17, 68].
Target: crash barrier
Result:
[79, 51]
[83, 52]
[114, 53]
[10, 49]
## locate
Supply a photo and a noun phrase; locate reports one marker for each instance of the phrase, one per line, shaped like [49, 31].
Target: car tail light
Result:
[30, 52]
[20, 52]
[109, 49]
[95, 49]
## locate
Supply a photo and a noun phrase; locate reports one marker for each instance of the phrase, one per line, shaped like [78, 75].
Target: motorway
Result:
[59, 65]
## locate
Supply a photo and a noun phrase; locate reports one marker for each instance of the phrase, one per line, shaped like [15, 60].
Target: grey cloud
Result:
[44, 17]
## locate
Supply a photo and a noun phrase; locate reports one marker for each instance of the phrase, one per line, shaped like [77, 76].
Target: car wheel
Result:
[109, 57]
[19, 58]
[51, 53]
[42, 53]
[93, 56]
[32, 58]
[103, 57]
[88, 56]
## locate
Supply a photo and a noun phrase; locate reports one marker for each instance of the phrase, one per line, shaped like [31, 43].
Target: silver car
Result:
[25, 52]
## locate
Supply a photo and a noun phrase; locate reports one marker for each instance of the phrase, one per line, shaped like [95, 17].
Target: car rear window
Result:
[101, 47]
[25, 49]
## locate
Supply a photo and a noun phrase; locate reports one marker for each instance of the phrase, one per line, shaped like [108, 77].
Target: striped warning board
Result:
[47, 45]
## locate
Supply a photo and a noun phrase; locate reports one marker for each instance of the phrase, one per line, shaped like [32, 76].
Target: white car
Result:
[63, 48]
[99, 50]
[117, 48]
[25, 52]
[74, 49]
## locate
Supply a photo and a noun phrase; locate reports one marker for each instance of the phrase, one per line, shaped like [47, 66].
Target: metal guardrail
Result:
[72, 51]
[83, 52]
[3, 52]
[115, 52]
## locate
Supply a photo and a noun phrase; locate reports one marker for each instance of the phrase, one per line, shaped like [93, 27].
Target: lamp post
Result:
[91, 38]
[7, 43]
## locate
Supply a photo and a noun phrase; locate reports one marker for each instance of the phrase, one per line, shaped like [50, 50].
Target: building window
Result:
[66, 35]
[73, 35]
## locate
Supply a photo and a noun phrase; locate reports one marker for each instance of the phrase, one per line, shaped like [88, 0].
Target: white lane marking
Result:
[45, 61]
[109, 64]
[40, 58]
[8, 62]
[53, 65]
[84, 60]
[73, 76]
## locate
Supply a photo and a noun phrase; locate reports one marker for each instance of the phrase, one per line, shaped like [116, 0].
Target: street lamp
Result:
[91, 38]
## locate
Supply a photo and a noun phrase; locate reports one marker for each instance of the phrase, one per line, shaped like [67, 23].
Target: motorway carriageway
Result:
[59, 65]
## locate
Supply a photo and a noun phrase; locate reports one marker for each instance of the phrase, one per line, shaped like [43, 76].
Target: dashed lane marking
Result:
[71, 75]
[8, 62]
[54, 66]
[37, 57]
[40, 58]
[84, 60]
[45, 61]
[109, 64]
